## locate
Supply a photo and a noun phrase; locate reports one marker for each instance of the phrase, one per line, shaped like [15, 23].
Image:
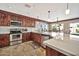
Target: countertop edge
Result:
[58, 49]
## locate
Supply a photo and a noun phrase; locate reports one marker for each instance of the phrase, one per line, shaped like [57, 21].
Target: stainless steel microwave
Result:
[15, 23]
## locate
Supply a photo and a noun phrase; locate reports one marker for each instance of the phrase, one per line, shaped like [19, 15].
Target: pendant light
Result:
[67, 10]
[49, 14]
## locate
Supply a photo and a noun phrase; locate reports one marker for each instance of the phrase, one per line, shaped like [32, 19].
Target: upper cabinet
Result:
[16, 20]
[32, 22]
[15, 17]
[4, 19]
[24, 21]
[7, 17]
[28, 22]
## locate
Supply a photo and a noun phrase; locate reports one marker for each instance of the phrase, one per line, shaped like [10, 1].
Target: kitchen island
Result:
[62, 47]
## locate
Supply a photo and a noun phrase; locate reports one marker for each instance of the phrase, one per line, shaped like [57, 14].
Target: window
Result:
[57, 27]
[74, 31]
[74, 28]
[57, 31]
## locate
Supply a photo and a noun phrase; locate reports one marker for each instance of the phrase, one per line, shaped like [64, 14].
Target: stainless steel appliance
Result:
[15, 23]
[15, 36]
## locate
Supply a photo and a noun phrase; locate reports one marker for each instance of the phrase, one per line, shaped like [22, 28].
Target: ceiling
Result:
[40, 10]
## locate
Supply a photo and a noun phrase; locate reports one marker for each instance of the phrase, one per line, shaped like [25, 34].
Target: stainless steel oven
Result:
[15, 36]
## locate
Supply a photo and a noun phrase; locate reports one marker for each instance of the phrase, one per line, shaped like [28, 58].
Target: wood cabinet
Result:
[52, 52]
[37, 37]
[4, 40]
[15, 17]
[4, 19]
[32, 22]
[26, 37]
[28, 22]
[32, 36]
[25, 22]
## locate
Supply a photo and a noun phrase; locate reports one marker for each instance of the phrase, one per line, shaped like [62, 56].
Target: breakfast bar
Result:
[66, 47]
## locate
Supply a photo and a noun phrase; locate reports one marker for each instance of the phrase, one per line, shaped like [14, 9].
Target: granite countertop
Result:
[67, 47]
[44, 33]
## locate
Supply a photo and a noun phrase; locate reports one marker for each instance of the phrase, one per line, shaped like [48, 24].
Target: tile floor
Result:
[24, 49]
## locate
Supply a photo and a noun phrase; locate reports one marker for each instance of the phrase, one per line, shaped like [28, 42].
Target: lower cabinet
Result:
[38, 38]
[52, 52]
[26, 37]
[4, 40]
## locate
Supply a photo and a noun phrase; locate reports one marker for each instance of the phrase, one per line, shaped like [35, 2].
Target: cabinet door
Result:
[39, 38]
[28, 22]
[20, 18]
[4, 19]
[4, 40]
[23, 22]
[32, 22]
[16, 17]
[36, 37]
[25, 37]
[52, 52]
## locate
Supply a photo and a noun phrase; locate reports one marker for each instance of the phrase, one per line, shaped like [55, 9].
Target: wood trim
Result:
[66, 20]
[12, 13]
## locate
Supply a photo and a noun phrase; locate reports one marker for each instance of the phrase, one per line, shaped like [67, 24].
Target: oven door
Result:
[15, 37]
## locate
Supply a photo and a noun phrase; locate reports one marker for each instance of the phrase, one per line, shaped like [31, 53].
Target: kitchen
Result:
[23, 32]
